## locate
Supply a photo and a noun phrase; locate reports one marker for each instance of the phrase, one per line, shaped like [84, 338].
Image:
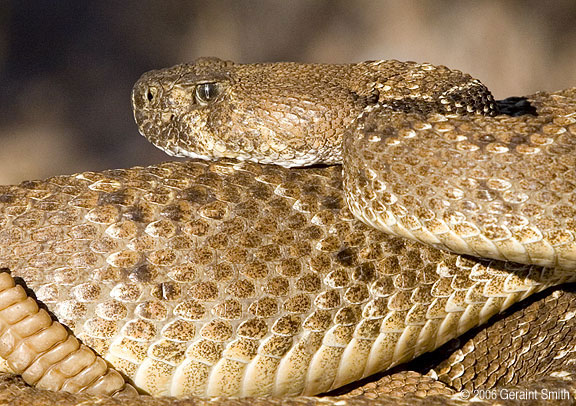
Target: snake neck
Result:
[288, 114]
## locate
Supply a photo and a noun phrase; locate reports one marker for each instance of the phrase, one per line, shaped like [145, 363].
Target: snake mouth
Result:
[172, 133]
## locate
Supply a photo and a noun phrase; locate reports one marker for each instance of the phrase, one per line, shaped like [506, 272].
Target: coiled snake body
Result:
[239, 279]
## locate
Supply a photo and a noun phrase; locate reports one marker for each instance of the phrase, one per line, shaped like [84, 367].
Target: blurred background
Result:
[67, 67]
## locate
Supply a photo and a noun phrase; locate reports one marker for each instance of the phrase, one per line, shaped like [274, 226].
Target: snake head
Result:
[285, 113]
[177, 108]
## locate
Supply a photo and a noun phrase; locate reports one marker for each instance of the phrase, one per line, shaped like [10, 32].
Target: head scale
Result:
[286, 114]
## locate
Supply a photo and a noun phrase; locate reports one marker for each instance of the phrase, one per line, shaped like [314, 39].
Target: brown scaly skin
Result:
[172, 273]
[82, 289]
[543, 328]
[44, 353]
[287, 114]
[424, 160]
[497, 187]
[131, 236]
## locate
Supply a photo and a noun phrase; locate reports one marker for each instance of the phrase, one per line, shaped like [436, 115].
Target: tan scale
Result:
[274, 286]
[422, 155]
[499, 187]
[338, 313]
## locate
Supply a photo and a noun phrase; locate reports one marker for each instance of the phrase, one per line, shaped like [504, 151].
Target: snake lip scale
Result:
[229, 276]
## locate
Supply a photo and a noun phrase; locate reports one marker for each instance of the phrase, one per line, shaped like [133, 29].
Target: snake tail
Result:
[45, 353]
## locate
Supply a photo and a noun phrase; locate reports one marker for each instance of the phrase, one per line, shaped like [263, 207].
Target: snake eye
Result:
[207, 92]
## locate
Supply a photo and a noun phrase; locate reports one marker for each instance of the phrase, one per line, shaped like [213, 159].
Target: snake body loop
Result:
[231, 278]
[423, 156]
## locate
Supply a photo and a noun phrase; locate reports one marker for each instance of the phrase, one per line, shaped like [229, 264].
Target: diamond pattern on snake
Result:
[287, 256]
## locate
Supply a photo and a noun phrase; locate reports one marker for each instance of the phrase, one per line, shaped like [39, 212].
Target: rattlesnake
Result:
[232, 278]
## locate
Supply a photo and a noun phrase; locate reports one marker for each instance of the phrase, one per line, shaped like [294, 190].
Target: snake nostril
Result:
[151, 93]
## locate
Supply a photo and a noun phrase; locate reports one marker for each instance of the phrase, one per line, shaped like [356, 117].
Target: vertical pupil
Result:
[207, 91]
